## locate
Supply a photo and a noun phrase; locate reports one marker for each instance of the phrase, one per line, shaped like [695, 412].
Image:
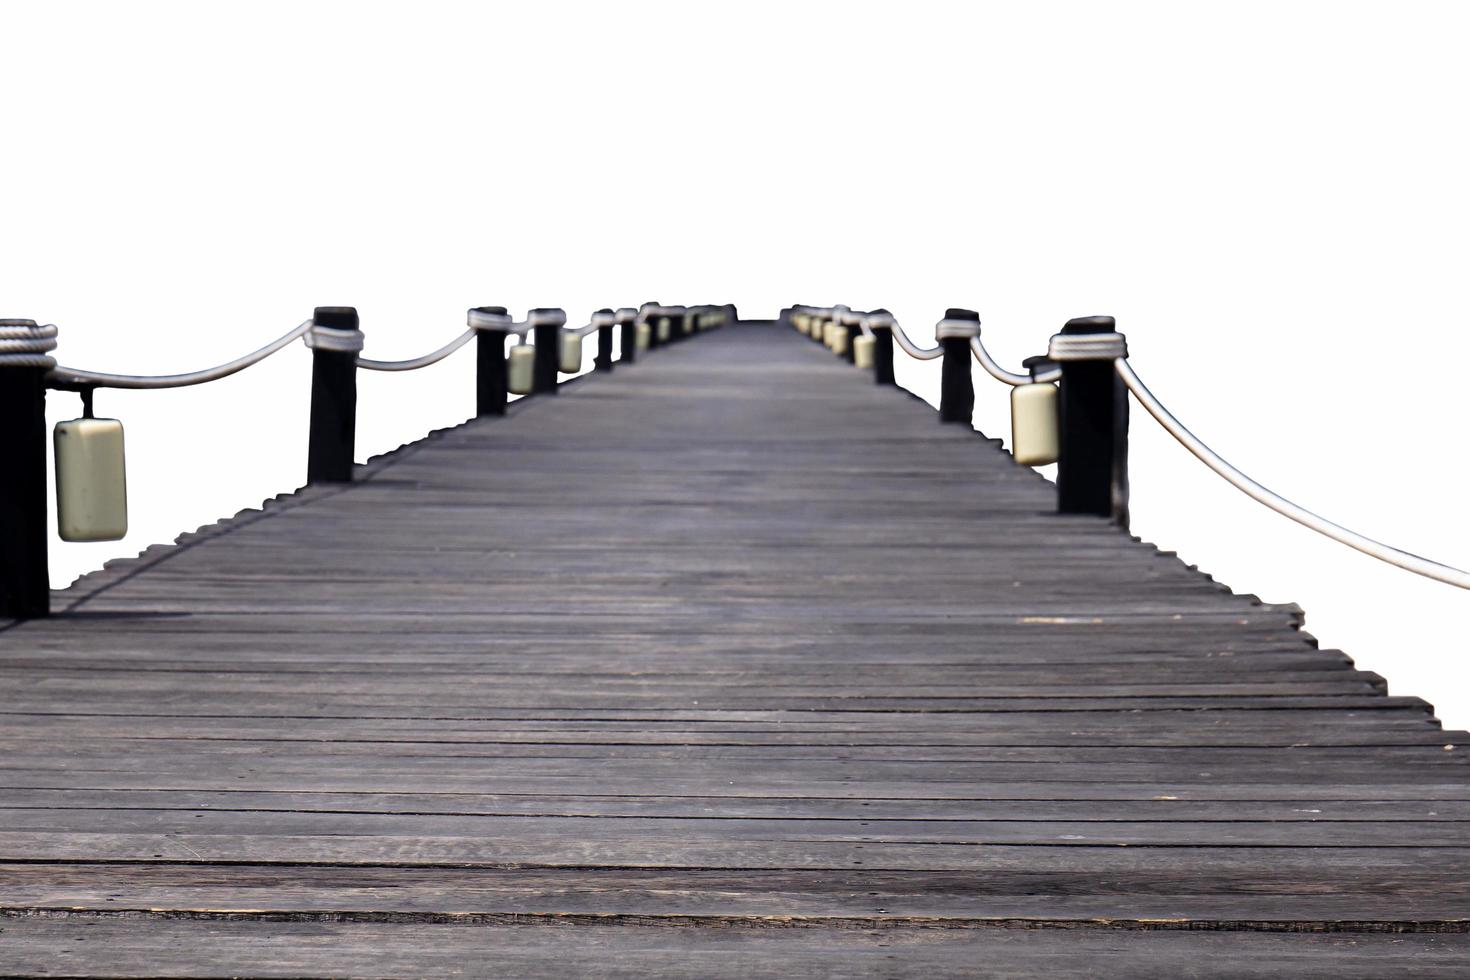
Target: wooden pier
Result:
[727, 663]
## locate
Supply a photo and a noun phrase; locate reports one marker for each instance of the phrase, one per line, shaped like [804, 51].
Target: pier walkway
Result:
[729, 662]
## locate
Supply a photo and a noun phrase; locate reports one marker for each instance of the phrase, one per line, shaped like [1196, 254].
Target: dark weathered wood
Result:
[1092, 471]
[331, 447]
[627, 335]
[736, 642]
[643, 948]
[491, 396]
[547, 339]
[883, 356]
[24, 583]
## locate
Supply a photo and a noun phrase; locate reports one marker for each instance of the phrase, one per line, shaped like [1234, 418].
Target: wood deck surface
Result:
[728, 663]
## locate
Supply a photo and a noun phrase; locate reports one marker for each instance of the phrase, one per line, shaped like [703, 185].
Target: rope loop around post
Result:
[336, 339]
[25, 343]
[1087, 347]
[479, 318]
[546, 317]
[948, 328]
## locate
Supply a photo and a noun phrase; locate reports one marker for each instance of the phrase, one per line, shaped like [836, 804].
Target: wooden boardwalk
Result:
[727, 663]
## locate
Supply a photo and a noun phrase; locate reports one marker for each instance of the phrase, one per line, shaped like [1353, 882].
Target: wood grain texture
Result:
[729, 658]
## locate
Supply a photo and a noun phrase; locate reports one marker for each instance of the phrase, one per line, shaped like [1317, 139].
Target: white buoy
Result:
[839, 340]
[642, 335]
[571, 352]
[827, 327]
[1034, 426]
[862, 350]
[91, 480]
[520, 372]
[665, 328]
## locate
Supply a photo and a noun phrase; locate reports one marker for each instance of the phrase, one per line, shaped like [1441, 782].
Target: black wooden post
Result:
[1092, 471]
[851, 323]
[546, 327]
[628, 334]
[650, 312]
[25, 586]
[336, 341]
[603, 359]
[490, 391]
[881, 323]
[956, 387]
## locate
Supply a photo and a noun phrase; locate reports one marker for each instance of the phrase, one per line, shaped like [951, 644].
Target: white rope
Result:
[912, 349]
[993, 369]
[102, 380]
[415, 363]
[977, 347]
[24, 343]
[598, 320]
[1368, 546]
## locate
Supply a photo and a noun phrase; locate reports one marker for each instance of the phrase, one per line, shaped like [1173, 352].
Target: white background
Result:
[1270, 197]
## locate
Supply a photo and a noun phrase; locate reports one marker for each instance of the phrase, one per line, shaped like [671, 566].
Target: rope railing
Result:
[414, 363]
[90, 470]
[69, 377]
[1087, 438]
[1360, 542]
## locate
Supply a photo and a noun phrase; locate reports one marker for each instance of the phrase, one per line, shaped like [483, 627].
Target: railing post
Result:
[1092, 471]
[25, 586]
[852, 324]
[335, 342]
[628, 334]
[649, 313]
[956, 386]
[603, 359]
[881, 323]
[546, 327]
[490, 374]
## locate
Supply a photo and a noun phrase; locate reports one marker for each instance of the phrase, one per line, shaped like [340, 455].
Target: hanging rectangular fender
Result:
[803, 323]
[862, 351]
[91, 480]
[1035, 429]
[665, 328]
[571, 352]
[642, 334]
[520, 372]
[839, 340]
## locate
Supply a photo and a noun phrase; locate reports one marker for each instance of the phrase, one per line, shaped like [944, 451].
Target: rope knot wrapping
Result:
[1087, 347]
[878, 321]
[24, 343]
[546, 318]
[335, 339]
[967, 329]
[603, 319]
[626, 315]
[478, 319]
